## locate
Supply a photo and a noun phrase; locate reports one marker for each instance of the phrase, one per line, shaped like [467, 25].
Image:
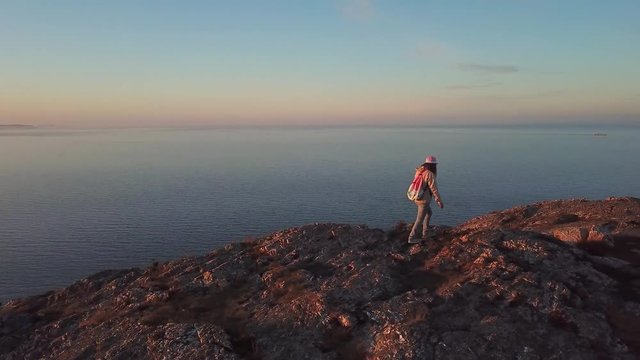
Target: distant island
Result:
[16, 126]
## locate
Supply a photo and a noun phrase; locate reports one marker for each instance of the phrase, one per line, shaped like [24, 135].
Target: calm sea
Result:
[76, 202]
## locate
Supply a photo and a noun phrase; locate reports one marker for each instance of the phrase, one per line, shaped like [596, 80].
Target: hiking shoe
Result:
[414, 240]
[429, 236]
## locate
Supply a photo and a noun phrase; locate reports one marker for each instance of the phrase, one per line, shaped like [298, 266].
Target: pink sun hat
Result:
[431, 160]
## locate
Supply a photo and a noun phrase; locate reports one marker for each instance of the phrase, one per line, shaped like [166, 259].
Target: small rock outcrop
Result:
[552, 280]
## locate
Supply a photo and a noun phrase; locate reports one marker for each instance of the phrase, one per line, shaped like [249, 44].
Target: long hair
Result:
[431, 167]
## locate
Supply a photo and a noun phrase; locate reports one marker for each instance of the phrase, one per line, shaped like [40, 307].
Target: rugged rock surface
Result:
[553, 280]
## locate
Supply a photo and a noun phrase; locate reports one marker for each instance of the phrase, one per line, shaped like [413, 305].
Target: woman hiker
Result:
[428, 172]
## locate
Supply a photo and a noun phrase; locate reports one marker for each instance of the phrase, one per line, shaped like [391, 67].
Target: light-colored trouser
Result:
[424, 215]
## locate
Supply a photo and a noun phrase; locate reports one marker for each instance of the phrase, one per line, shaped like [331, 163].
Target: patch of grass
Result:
[99, 316]
[561, 321]
[400, 229]
[566, 219]
[317, 269]
[223, 308]
[294, 286]
[627, 327]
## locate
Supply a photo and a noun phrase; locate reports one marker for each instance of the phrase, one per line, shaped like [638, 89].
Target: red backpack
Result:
[417, 187]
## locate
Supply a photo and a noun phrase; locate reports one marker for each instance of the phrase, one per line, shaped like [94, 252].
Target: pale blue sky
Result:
[320, 62]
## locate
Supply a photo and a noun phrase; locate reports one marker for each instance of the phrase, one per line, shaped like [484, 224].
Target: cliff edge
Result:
[552, 280]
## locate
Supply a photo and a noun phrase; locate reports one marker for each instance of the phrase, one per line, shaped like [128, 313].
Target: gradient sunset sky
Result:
[318, 62]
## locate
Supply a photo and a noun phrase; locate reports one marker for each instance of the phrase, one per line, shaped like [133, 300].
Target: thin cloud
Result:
[359, 9]
[550, 72]
[430, 49]
[531, 95]
[488, 69]
[474, 86]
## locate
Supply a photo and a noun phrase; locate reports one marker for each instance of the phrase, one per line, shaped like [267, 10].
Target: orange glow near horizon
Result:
[300, 109]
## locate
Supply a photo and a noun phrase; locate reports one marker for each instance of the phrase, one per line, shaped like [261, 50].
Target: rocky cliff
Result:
[553, 280]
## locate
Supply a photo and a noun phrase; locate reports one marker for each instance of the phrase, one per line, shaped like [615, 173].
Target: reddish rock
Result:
[552, 280]
[571, 234]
